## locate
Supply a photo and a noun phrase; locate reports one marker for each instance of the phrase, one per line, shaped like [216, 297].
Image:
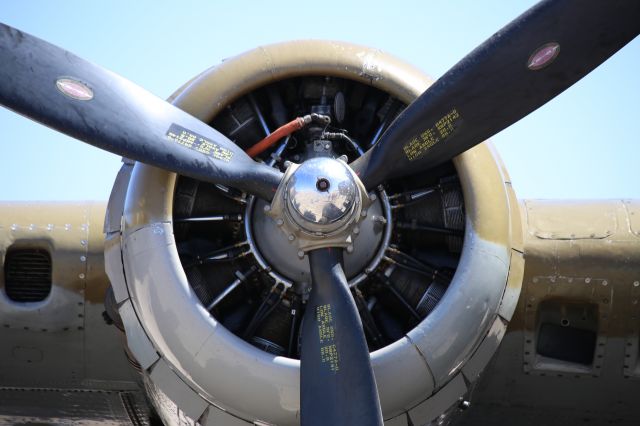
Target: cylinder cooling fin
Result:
[212, 294]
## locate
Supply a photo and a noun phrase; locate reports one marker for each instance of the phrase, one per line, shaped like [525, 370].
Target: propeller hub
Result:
[321, 195]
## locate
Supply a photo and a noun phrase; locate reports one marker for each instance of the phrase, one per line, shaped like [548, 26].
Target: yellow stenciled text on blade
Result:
[326, 335]
[441, 130]
[196, 142]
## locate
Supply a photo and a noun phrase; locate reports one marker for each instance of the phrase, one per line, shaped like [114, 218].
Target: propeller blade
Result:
[56, 88]
[520, 68]
[337, 385]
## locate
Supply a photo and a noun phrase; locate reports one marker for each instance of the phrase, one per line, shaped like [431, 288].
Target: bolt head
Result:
[323, 184]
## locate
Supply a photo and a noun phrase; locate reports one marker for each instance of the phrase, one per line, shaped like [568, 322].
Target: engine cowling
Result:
[437, 267]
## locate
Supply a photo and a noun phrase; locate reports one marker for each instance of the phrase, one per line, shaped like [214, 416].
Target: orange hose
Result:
[279, 133]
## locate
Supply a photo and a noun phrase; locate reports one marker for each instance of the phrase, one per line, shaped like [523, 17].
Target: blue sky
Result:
[584, 144]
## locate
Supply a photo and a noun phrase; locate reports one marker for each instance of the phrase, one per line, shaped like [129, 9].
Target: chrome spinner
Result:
[319, 204]
[321, 195]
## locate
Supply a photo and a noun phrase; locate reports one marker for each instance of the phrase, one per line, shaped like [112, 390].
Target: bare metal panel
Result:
[403, 377]
[137, 339]
[113, 216]
[447, 337]
[113, 266]
[182, 395]
[439, 402]
[216, 417]
[513, 288]
[485, 351]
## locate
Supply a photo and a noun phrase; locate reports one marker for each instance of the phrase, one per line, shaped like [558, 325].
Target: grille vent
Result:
[27, 274]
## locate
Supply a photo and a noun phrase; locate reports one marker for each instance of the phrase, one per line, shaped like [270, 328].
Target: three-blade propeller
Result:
[520, 68]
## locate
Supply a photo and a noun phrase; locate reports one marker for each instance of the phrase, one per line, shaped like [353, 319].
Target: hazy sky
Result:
[584, 144]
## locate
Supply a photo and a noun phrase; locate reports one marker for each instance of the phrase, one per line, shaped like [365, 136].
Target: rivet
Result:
[83, 242]
[373, 197]
[279, 222]
[356, 230]
[291, 237]
[587, 280]
[364, 213]
[267, 208]
[604, 283]
[81, 276]
[300, 254]
[350, 248]
[83, 258]
[636, 283]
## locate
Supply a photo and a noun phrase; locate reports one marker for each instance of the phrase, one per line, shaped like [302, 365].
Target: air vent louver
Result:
[27, 274]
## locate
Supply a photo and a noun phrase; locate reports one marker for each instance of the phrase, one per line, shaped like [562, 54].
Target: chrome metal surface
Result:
[276, 255]
[321, 194]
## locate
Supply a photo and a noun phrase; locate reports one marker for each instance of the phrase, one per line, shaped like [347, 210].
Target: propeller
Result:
[520, 68]
[56, 88]
[337, 386]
